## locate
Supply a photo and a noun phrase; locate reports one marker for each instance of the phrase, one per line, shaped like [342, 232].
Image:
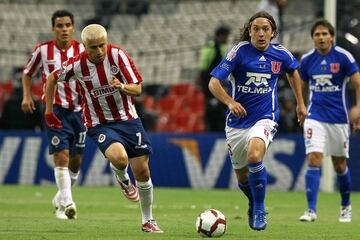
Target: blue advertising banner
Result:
[179, 160]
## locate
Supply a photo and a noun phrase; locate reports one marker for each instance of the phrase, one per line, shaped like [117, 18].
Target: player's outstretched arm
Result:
[218, 91]
[355, 114]
[295, 83]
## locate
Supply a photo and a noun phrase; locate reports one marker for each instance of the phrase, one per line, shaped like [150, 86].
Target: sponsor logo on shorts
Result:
[101, 138]
[141, 146]
[55, 140]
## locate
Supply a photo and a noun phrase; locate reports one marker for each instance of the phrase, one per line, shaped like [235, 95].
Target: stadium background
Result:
[164, 39]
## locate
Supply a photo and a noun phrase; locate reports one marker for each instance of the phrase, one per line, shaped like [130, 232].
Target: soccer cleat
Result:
[309, 216]
[70, 211]
[129, 191]
[151, 227]
[250, 216]
[345, 214]
[59, 210]
[260, 221]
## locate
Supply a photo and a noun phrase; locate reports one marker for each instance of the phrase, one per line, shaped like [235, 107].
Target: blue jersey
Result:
[252, 76]
[328, 77]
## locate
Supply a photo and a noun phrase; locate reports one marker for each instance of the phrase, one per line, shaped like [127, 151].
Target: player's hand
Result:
[301, 112]
[117, 84]
[27, 105]
[52, 121]
[355, 117]
[237, 109]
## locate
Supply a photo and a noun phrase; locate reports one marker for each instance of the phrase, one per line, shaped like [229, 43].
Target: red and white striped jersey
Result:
[103, 103]
[48, 57]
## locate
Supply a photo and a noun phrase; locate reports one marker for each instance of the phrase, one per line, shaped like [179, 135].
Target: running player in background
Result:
[65, 144]
[325, 71]
[109, 80]
[251, 70]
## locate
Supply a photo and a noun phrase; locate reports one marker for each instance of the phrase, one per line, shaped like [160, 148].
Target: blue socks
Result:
[344, 183]
[312, 181]
[247, 191]
[257, 184]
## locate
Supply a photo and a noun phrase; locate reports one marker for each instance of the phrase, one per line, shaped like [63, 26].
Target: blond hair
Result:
[93, 31]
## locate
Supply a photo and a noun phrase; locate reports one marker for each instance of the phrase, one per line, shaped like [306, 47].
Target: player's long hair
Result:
[244, 33]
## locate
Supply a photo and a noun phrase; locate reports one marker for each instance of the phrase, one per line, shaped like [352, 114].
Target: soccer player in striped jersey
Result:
[326, 71]
[66, 144]
[251, 71]
[109, 80]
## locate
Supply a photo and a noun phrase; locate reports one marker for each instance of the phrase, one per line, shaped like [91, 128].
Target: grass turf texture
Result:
[103, 213]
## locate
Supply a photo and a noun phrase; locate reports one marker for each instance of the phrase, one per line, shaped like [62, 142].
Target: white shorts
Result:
[238, 138]
[328, 138]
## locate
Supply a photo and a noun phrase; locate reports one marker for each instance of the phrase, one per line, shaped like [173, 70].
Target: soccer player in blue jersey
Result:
[251, 70]
[326, 71]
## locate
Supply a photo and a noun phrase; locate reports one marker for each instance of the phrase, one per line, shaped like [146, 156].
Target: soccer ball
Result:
[211, 223]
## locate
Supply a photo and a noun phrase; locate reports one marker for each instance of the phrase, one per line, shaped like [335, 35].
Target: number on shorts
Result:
[82, 137]
[309, 133]
[138, 134]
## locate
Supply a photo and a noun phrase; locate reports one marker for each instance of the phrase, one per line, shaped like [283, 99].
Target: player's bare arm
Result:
[49, 93]
[305, 92]
[218, 91]
[295, 83]
[131, 89]
[355, 81]
[27, 104]
[50, 118]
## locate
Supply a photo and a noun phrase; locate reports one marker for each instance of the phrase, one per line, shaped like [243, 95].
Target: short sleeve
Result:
[227, 65]
[65, 72]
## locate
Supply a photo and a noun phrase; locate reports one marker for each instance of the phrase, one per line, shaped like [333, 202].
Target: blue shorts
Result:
[72, 134]
[130, 133]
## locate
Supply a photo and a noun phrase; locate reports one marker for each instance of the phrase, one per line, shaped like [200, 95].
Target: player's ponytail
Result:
[245, 31]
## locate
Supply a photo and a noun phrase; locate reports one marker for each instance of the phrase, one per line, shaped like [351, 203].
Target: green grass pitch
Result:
[103, 213]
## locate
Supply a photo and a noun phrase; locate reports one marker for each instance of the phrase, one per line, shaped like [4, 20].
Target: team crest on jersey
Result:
[275, 67]
[334, 67]
[62, 70]
[102, 138]
[55, 140]
[114, 69]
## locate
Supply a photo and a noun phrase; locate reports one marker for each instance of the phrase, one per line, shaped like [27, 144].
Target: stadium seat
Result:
[183, 89]
[148, 102]
[169, 104]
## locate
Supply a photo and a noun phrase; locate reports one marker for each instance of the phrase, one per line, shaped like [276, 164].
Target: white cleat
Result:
[60, 213]
[309, 216]
[345, 214]
[59, 210]
[70, 211]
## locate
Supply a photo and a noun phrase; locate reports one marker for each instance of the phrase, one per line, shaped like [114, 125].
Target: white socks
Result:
[146, 199]
[63, 182]
[122, 175]
[73, 176]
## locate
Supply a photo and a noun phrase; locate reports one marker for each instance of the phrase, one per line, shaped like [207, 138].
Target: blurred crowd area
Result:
[164, 38]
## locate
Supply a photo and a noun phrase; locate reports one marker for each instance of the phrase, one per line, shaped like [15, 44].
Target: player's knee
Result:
[75, 162]
[61, 158]
[142, 174]
[118, 159]
[253, 157]
[340, 168]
